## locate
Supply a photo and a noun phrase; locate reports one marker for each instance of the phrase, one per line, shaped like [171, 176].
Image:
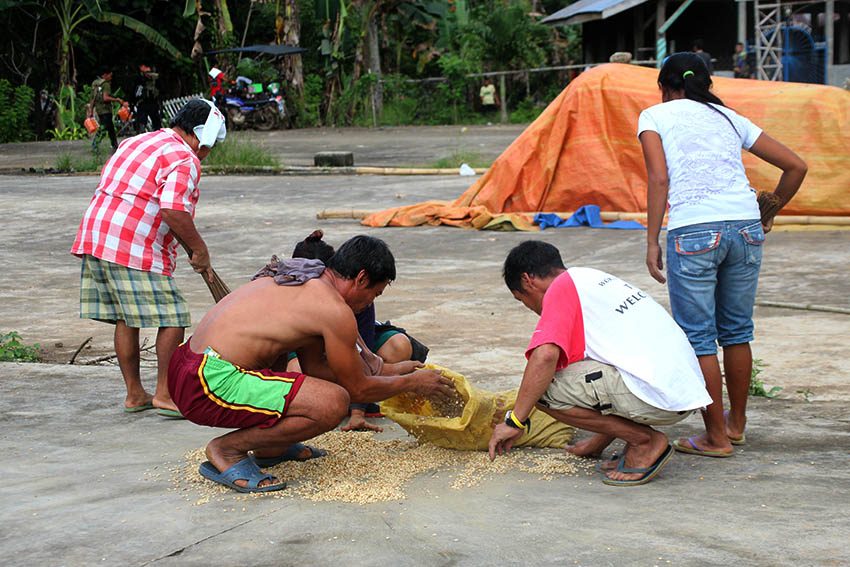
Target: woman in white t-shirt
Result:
[692, 147]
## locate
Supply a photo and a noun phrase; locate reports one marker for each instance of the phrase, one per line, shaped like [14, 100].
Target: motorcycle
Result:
[253, 105]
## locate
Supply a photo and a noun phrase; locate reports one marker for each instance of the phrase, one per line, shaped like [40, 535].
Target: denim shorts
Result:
[712, 276]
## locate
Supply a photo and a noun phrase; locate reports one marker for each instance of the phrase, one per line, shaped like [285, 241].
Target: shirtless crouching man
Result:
[231, 372]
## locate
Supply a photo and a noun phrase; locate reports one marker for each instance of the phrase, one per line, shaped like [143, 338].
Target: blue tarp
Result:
[588, 215]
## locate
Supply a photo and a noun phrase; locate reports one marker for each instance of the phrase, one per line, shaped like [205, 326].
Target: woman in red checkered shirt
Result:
[127, 241]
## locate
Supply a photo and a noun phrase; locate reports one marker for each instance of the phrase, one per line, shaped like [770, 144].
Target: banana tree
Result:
[224, 25]
[70, 14]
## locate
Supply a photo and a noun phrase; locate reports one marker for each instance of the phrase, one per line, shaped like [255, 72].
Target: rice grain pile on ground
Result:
[361, 469]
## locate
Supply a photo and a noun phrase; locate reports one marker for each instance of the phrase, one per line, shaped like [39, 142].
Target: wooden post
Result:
[742, 21]
[660, 39]
[829, 38]
[503, 107]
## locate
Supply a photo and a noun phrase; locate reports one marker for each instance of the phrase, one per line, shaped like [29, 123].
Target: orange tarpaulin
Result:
[583, 150]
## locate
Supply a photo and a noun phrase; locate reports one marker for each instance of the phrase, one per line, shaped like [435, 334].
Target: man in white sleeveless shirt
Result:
[604, 357]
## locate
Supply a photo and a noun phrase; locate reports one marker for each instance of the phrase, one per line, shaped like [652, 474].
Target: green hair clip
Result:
[687, 74]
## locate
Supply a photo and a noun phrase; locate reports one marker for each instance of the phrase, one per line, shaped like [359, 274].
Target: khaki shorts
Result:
[597, 386]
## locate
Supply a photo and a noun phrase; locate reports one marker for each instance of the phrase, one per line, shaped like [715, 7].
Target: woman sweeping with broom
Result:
[716, 227]
[127, 240]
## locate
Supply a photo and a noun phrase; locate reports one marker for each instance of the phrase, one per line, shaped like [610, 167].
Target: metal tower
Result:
[768, 19]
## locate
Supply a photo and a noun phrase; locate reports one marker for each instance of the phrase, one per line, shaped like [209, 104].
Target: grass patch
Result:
[240, 153]
[757, 387]
[472, 159]
[69, 163]
[12, 349]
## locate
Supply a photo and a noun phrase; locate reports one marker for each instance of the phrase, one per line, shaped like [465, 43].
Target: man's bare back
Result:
[261, 321]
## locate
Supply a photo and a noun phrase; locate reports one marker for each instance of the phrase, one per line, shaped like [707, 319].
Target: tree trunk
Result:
[374, 62]
[289, 33]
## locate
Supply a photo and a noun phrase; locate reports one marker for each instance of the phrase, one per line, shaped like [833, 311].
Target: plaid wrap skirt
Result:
[110, 292]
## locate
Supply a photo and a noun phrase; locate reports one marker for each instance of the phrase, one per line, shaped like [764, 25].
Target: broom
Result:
[217, 287]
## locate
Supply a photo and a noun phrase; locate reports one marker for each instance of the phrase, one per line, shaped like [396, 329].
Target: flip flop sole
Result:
[171, 414]
[738, 441]
[137, 409]
[652, 473]
[209, 472]
[693, 451]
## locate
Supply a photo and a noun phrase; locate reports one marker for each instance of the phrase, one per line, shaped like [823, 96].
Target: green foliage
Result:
[15, 106]
[501, 37]
[308, 113]
[757, 386]
[236, 152]
[525, 112]
[68, 133]
[259, 71]
[12, 349]
[458, 157]
[66, 162]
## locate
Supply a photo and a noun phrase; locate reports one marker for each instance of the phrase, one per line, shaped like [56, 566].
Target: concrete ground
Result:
[405, 146]
[85, 484]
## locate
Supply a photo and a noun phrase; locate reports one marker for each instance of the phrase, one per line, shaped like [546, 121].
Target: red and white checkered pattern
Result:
[123, 225]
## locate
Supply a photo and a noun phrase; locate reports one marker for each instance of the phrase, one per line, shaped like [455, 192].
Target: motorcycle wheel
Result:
[266, 119]
[235, 119]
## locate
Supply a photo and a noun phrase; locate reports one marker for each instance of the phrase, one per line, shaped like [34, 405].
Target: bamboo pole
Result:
[369, 170]
[804, 307]
[607, 216]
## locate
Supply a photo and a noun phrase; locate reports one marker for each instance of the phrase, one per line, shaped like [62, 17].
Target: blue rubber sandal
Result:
[246, 469]
[291, 454]
[648, 473]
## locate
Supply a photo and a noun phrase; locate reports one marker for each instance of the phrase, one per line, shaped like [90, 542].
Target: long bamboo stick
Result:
[608, 216]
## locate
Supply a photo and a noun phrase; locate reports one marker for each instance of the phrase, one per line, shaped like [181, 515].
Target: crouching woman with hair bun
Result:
[715, 231]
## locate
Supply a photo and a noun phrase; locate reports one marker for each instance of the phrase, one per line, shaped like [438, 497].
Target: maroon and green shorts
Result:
[208, 390]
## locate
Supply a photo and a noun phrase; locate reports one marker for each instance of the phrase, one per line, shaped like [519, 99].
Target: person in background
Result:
[218, 86]
[128, 238]
[487, 95]
[741, 67]
[704, 55]
[45, 112]
[715, 232]
[102, 100]
[146, 99]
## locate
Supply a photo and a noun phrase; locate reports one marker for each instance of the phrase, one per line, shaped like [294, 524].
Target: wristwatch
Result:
[512, 421]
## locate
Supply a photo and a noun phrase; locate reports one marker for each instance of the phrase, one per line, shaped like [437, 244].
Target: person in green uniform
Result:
[102, 100]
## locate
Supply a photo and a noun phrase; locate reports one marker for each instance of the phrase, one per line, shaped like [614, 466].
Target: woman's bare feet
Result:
[704, 445]
[591, 447]
[223, 459]
[137, 399]
[165, 403]
[641, 456]
[734, 427]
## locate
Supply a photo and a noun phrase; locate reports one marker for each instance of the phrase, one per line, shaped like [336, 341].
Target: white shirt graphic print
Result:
[708, 182]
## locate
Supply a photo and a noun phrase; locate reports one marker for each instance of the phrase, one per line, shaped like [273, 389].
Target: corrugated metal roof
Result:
[588, 10]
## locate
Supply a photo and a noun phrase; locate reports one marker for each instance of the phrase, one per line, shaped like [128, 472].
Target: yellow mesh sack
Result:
[478, 412]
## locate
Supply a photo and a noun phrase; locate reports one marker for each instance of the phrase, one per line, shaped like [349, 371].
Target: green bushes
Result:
[12, 349]
[15, 106]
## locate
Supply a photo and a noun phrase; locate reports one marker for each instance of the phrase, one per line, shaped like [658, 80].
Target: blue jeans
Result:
[712, 275]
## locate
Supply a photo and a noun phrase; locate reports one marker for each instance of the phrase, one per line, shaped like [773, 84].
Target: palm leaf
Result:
[142, 29]
[189, 8]
[93, 6]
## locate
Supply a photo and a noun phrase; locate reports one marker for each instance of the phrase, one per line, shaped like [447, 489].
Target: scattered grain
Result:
[362, 469]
